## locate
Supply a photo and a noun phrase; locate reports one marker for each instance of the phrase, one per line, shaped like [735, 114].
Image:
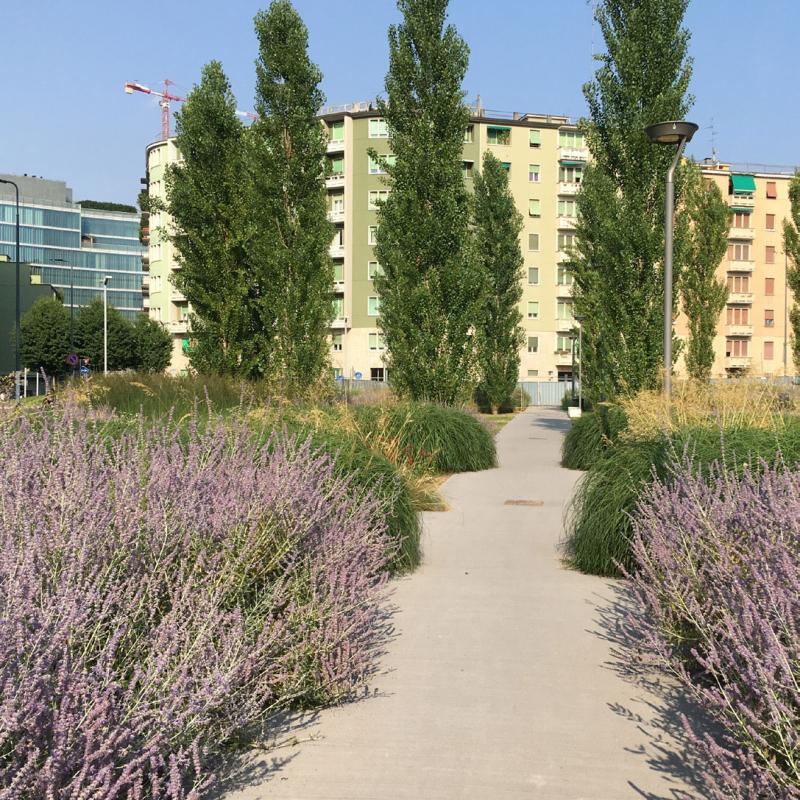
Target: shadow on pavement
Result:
[665, 746]
[560, 423]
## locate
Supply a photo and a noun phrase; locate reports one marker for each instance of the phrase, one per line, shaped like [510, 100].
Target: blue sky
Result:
[65, 115]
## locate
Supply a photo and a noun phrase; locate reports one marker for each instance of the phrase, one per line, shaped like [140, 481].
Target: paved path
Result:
[501, 683]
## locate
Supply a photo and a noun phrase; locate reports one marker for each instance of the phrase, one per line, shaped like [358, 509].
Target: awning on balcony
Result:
[571, 162]
[499, 127]
[743, 183]
[742, 209]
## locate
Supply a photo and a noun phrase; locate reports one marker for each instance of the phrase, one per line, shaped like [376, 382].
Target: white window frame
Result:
[373, 268]
[538, 243]
[533, 313]
[376, 194]
[534, 176]
[381, 126]
[530, 282]
[535, 346]
[372, 235]
[378, 339]
[377, 306]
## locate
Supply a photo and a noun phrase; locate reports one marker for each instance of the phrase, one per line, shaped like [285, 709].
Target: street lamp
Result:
[670, 133]
[16, 311]
[71, 301]
[579, 318]
[106, 279]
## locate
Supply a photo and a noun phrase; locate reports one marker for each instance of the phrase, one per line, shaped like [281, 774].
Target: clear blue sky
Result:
[65, 116]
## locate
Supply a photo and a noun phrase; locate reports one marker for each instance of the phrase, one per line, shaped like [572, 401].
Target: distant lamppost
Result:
[670, 133]
[106, 279]
[16, 309]
[579, 318]
[71, 301]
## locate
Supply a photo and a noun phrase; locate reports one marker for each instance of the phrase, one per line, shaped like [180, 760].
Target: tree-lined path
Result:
[502, 681]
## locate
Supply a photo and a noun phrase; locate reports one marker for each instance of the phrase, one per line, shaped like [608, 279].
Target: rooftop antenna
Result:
[713, 130]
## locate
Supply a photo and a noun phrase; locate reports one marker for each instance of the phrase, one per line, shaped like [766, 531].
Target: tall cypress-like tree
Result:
[707, 221]
[643, 78]
[290, 249]
[498, 334]
[207, 198]
[430, 291]
[791, 245]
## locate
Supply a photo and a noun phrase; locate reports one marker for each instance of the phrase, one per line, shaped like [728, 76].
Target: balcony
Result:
[737, 362]
[338, 287]
[740, 266]
[738, 330]
[567, 188]
[145, 303]
[335, 146]
[565, 325]
[742, 200]
[564, 290]
[741, 233]
[563, 358]
[340, 324]
[740, 297]
[145, 284]
[335, 181]
[336, 250]
[573, 153]
[178, 326]
[567, 223]
[177, 297]
[336, 216]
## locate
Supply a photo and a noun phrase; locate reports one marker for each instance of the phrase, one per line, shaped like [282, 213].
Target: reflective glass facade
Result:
[78, 246]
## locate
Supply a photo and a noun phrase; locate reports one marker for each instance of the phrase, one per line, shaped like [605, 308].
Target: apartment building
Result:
[753, 335]
[73, 247]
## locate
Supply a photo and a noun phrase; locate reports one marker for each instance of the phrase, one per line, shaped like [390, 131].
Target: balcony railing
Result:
[338, 286]
[336, 250]
[336, 216]
[740, 266]
[335, 146]
[742, 200]
[739, 330]
[335, 181]
[179, 326]
[741, 233]
[567, 223]
[340, 324]
[564, 290]
[740, 297]
[177, 297]
[563, 358]
[567, 187]
[573, 153]
[563, 325]
[737, 362]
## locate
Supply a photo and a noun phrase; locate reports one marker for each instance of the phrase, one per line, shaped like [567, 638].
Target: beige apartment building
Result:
[545, 157]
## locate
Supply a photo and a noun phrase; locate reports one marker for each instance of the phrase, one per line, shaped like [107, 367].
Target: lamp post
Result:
[71, 302]
[579, 318]
[678, 133]
[106, 279]
[16, 308]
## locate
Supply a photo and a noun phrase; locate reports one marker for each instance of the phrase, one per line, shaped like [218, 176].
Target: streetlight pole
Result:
[579, 319]
[669, 133]
[17, 302]
[71, 303]
[106, 279]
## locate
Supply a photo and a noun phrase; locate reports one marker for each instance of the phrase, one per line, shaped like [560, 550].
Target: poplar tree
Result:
[431, 285]
[498, 334]
[643, 78]
[207, 199]
[791, 246]
[292, 235]
[707, 219]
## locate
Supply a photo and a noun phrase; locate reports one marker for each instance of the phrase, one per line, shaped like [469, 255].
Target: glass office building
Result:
[73, 248]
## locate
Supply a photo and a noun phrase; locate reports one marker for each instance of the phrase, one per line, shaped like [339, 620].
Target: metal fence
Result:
[544, 393]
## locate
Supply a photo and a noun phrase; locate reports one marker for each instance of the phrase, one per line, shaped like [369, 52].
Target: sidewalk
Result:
[501, 683]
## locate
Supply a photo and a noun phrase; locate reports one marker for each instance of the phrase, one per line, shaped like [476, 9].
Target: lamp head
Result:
[672, 132]
[106, 280]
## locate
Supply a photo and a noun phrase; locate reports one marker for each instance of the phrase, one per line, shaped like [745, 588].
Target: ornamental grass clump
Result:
[591, 435]
[717, 581]
[162, 592]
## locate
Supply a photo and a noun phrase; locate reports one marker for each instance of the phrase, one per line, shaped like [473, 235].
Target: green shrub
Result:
[443, 439]
[520, 398]
[590, 436]
[599, 519]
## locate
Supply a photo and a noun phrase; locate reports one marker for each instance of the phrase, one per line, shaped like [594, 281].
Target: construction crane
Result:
[166, 98]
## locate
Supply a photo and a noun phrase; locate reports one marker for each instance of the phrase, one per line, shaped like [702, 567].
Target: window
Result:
[467, 168]
[738, 251]
[535, 138]
[375, 167]
[534, 208]
[769, 351]
[567, 208]
[376, 341]
[338, 307]
[372, 235]
[533, 344]
[737, 315]
[468, 134]
[769, 286]
[564, 275]
[769, 317]
[375, 197]
[338, 238]
[533, 310]
[770, 225]
[533, 373]
[533, 173]
[378, 129]
[337, 165]
[570, 173]
[566, 241]
[738, 283]
[533, 276]
[337, 131]
[337, 373]
[772, 190]
[564, 310]
[770, 254]
[736, 348]
[378, 374]
[336, 344]
[338, 271]
[533, 242]
[373, 306]
[373, 269]
[741, 219]
[564, 344]
[571, 139]
[337, 203]
[499, 135]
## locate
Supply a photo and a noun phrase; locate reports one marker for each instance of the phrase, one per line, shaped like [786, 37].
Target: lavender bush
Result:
[719, 582]
[161, 593]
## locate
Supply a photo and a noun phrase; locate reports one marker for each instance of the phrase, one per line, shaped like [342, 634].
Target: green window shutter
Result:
[567, 162]
[337, 131]
[534, 208]
[533, 276]
[743, 183]
[338, 271]
[337, 165]
[535, 138]
[506, 165]
[533, 344]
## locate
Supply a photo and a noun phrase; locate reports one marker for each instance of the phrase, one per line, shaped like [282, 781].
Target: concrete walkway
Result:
[503, 681]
